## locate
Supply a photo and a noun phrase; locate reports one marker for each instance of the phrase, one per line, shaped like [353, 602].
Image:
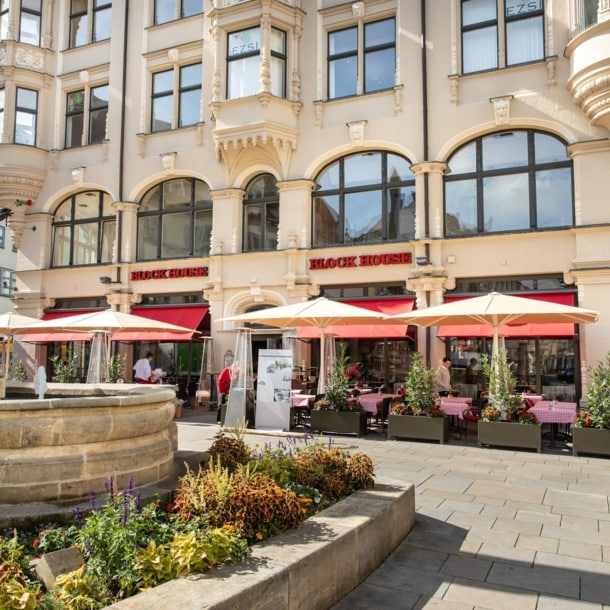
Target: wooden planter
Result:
[510, 434]
[595, 441]
[418, 427]
[339, 422]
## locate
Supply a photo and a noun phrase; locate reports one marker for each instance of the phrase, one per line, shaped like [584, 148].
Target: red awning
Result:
[564, 329]
[367, 331]
[189, 317]
[65, 337]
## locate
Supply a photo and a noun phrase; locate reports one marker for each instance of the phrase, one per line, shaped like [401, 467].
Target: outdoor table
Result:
[533, 399]
[454, 408]
[549, 412]
[457, 399]
[301, 400]
[369, 401]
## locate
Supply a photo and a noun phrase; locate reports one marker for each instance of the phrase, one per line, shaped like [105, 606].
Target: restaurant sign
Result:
[362, 260]
[168, 274]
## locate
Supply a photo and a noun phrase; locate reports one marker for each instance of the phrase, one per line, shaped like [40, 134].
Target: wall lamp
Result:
[421, 260]
[104, 279]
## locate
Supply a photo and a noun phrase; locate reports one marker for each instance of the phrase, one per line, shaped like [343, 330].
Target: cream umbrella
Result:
[321, 313]
[496, 310]
[12, 324]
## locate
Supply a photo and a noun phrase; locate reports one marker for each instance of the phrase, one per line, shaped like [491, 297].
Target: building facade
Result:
[234, 155]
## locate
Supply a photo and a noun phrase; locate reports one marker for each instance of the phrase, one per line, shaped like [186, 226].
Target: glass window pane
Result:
[148, 232]
[202, 194]
[191, 7]
[244, 42]
[278, 41]
[97, 126]
[190, 76]
[342, 77]
[326, 221]
[478, 11]
[278, 77]
[272, 220]
[99, 97]
[363, 217]
[343, 41]
[480, 49]
[26, 98]
[329, 178]
[190, 103]
[399, 169]
[549, 149]
[508, 149]
[243, 77]
[78, 30]
[379, 33]
[86, 205]
[102, 24]
[162, 110]
[176, 235]
[362, 170]
[524, 40]
[107, 205]
[379, 70]
[554, 198]
[506, 205]
[74, 130]
[461, 207]
[253, 227]
[85, 244]
[203, 231]
[29, 33]
[108, 237]
[262, 186]
[75, 101]
[164, 10]
[25, 128]
[176, 193]
[61, 246]
[64, 211]
[514, 8]
[464, 160]
[163, 82]
[152, 200]
[400, 216]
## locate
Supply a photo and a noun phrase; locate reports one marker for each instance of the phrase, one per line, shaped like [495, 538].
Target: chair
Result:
[383, 411]
[468, 415]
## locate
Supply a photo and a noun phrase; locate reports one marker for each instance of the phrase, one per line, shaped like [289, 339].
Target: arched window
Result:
[175, 220]
[510, 181]
[261, 214]
[84, 229]
[366, 197]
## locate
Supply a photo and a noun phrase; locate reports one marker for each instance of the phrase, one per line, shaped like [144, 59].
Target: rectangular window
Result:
[29, 26]
[26, 116]
[500, 33]
[90, 21]
[94, 118]
[2, 237]
[176, 98]
[243, 63]
[374, 58]
[4, 5]
[169, 10]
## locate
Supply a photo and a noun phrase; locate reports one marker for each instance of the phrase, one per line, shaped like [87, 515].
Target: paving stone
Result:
[368, 596]
[595, 589]
[465, 567]
[514, 525]
[507, 491]
[433, 603]
[592, 501]
[506, 554]
[537, 543]
[549, 602]
[537, 517]
[492, 596]
[586, 550]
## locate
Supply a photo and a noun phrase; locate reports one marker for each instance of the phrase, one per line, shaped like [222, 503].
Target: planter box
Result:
[510, 434]
[419, 428]
[339, 422]
[595, 441]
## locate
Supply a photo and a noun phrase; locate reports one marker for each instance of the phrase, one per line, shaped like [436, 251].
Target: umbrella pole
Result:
[322, 375]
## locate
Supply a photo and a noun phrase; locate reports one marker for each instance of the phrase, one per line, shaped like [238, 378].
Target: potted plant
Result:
[415, 414]
[591, 428]
[504, 422]
[336, 411]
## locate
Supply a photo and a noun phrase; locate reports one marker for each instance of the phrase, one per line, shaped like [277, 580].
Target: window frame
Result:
[87, 111]
[27, 111]
[531, 168]
[341, 192]
[93, 17]
[176, 95]
[502, 23]
[179, 7]
[265, 202]
[360, 52]
[164, 214]
[36, 16]
[102, 222]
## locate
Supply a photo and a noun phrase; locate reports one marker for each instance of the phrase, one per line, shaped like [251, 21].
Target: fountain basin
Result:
[67, 445]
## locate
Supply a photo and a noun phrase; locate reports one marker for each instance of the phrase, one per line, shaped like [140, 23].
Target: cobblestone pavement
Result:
[495, 529]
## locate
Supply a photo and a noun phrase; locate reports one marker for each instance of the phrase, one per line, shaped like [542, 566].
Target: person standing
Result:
[223, 385]
[443, 377]
[142, 369]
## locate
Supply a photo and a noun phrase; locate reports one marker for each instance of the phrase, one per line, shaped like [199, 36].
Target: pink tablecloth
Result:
[456, 399]
[369, 401]
[558, 413]
[301, 400]
[453, 407]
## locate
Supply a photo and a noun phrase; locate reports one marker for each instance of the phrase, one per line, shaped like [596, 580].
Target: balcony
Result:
[589, 82]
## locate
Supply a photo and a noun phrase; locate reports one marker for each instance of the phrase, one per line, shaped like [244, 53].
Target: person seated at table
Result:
[354, 371]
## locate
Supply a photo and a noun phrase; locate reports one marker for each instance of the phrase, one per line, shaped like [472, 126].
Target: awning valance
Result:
[367, 331]
[563, 329]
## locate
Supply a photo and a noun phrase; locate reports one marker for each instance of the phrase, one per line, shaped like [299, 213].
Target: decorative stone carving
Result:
[173, 55]
[356, 132]
[83, 76]
[78, 175]
[502, 109]
[358, 10]
[168, 161]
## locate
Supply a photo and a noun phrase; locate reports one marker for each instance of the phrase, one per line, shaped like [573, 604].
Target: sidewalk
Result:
[495, 529]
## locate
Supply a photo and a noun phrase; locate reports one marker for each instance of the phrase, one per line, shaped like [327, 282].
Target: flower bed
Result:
[216, 515]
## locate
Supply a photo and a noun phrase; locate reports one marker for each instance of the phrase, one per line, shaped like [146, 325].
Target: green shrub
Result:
[231, 450]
